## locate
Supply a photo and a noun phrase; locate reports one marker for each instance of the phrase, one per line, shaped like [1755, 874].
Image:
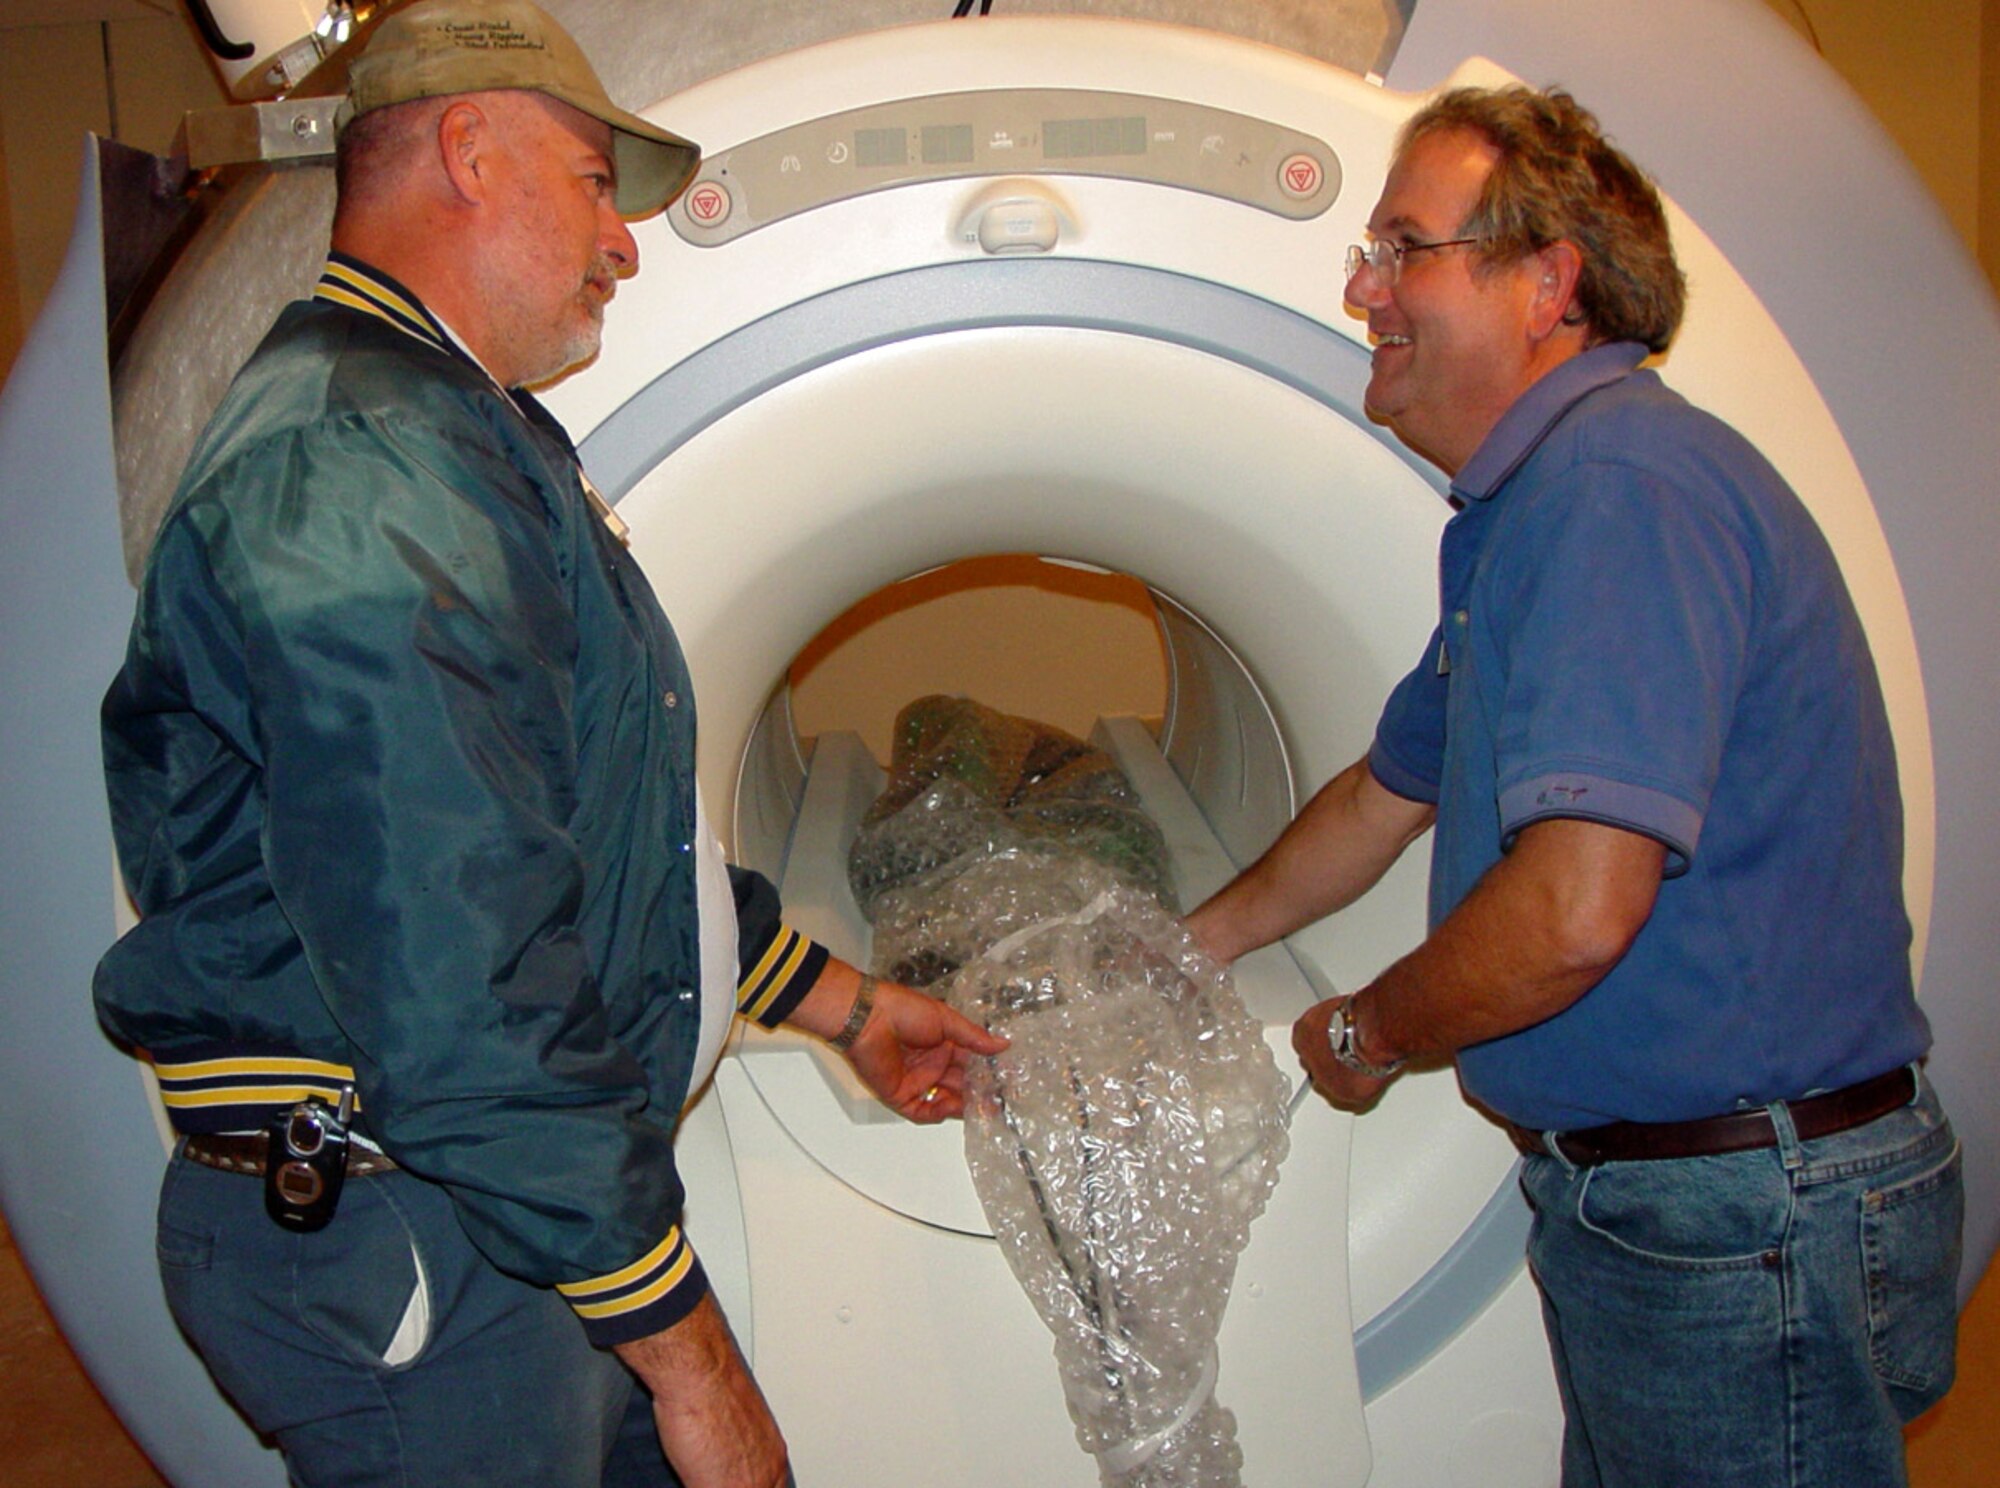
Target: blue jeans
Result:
[1763, 1319]
[489, 1382]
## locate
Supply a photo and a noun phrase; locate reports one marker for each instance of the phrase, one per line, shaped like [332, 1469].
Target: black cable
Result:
[211, 34]
[110, 77]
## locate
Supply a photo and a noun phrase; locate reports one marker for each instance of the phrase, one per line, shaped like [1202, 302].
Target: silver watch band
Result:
[1340, 1033]
[857, 1019]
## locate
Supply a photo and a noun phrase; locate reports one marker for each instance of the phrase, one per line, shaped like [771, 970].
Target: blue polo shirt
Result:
[1641, 625]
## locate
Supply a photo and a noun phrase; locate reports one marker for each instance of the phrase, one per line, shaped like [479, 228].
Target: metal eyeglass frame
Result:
[1386, 258]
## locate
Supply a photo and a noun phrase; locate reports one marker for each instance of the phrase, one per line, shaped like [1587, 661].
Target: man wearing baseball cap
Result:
[435, 939]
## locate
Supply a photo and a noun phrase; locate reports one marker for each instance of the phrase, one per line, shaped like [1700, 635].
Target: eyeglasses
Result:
[1386, 258]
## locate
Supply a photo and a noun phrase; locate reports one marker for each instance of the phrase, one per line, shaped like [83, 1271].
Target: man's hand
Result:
[913, 1050]
[1349, 1089]
[712, 1419]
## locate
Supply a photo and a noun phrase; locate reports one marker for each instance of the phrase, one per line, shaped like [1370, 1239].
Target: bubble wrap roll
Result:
[1121, 1148]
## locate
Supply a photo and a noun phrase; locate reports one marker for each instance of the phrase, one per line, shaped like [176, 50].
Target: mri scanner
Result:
[1069, 286]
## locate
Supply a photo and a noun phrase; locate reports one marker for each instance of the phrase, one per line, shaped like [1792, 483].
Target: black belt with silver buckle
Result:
[1739, 1131]
[247, 1153]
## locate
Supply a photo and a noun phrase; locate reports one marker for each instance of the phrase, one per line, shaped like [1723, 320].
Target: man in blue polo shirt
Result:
[1668, 948]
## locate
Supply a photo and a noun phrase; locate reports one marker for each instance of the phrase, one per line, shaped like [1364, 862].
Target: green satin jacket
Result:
[401, 770]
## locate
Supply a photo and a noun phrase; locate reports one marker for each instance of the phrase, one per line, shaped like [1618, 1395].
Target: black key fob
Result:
[306, 1164]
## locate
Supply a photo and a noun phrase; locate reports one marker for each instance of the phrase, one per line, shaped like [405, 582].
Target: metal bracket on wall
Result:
[287, 129]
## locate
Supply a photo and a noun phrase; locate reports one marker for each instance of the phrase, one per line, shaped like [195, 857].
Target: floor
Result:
[55, 1429]
[57, 1432]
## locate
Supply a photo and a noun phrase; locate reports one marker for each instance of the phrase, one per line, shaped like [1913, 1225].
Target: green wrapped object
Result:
[968, 784]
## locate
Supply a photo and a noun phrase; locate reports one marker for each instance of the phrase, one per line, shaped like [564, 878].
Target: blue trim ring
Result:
[1155, 304]
[1442, 1302]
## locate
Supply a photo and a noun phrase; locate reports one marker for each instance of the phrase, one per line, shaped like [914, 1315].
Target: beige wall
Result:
[1055, 643]
[1989, 141]
[12, 327]
[1930, 71]
[128, 71]
[1916, 64]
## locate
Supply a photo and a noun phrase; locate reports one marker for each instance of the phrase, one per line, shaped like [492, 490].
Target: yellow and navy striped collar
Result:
[348, 281]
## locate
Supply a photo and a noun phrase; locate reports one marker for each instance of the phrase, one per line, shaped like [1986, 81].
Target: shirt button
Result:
[687, 994]
[1459, 617]
[671, 698]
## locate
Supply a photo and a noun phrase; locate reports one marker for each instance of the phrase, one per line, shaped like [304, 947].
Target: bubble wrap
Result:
[969, 783]
[1121, 1148]
[1123, 1144]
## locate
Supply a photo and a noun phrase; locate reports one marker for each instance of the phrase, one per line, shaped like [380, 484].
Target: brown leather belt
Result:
[1739, 1131]
[247, 1153]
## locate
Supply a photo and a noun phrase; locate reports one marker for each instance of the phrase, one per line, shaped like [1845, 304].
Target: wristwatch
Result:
[1340, 1033]
[857, 1017]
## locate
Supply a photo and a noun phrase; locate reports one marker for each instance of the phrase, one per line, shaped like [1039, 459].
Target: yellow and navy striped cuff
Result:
[242, 1092]
[781, 977]
[654, 1292]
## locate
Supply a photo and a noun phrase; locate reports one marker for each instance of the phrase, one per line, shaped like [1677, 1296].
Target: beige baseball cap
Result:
[437, 47]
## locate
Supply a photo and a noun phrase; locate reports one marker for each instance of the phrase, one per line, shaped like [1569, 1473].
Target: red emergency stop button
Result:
[1301, 176]
[708, 203]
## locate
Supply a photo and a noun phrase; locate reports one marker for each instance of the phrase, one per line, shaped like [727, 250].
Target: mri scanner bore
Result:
[888, 396]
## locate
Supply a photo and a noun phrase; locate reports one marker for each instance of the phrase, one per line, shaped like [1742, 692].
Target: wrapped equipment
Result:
[1123, 1144]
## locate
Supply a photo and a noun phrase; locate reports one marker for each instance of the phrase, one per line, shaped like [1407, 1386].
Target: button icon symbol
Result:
[790, 166]
[708, 203]
[1301, 176]
[836, 153]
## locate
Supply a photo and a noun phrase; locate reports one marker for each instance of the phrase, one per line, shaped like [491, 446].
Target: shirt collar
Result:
[1527, 423]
